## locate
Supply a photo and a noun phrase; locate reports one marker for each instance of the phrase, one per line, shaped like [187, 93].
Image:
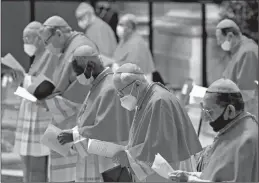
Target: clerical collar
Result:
[69, 40]
[237, 46]
[232, 123]
[100, 77]
[146, 91]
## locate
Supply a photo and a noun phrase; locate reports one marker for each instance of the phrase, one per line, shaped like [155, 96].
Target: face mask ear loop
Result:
[208, 114]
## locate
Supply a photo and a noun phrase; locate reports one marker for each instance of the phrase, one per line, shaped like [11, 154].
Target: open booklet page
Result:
[161, 166]
[11, 62]
[102, 148]
[50, 140]
[22, 92]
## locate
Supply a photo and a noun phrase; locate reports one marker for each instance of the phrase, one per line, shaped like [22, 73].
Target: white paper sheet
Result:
[11, 62]
[184, 89]
[22, 92]
[197, 94]
[50, 140]
[102, 148]
[161, 166]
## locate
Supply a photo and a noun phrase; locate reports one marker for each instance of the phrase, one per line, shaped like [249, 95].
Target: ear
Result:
[230, 112]
[91, 65]
[138, 83]
[59, 33]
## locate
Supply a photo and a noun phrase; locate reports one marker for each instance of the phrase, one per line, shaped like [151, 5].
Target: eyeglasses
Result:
[207, 111]
[120, 93]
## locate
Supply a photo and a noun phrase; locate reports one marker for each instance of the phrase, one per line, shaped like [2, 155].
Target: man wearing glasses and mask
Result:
[69, 94]
[233, 156]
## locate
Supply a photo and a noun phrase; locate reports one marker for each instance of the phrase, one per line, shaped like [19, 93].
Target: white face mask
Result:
[83, 23]
[29, 49]
[120, 31]
[83, 80]
[53, 50]
[226, 46]
[129, 102]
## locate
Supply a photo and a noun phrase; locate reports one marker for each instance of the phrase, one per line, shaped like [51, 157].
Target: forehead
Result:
[209, 100]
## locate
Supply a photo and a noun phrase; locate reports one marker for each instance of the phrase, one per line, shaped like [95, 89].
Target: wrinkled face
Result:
[210, 109]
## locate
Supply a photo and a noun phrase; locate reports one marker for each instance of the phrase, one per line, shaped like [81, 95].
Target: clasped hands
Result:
[66, 136]
[121, 158]
[183, 176]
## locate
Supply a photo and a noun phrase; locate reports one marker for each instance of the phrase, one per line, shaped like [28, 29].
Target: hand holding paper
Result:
[102, 148]
[12, 63]
[162, 167]
[50, 140]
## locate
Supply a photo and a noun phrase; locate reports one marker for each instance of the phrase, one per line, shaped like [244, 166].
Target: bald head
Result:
[128, 74]
[56, 21]
[85, 53]
[32, 29]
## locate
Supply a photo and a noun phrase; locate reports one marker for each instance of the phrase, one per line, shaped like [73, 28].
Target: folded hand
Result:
[121, 158]
[65, 137]
[179, 176]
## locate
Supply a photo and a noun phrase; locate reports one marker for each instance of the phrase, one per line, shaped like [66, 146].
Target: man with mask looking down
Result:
[101, 117]
[242, 61]
[96, 29]
[69, 93]
[233, 156]
[161, 125]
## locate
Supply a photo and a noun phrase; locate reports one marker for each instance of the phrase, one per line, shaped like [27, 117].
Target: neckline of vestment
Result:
[233, 123]
[144, 99]
[69, 40]
[147, 91]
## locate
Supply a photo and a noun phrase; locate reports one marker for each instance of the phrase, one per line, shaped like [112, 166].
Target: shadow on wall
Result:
[14, 23]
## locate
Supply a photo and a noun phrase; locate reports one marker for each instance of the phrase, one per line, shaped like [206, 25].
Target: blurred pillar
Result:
[150, 7]
[32, 18]
[204, 45]
[178, 44]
